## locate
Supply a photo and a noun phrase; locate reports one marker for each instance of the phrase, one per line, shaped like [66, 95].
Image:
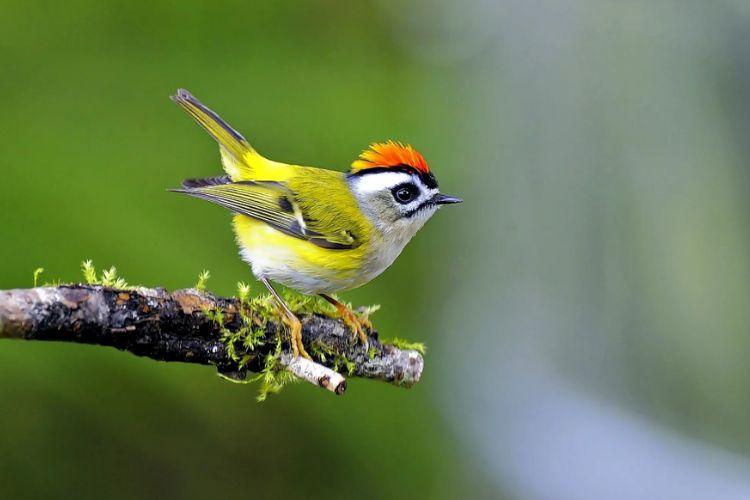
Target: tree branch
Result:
[182, 326]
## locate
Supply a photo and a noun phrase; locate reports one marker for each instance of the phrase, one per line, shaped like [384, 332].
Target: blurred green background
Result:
[586, 309]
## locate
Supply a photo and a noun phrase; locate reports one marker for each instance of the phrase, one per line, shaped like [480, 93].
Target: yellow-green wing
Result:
[278, 206]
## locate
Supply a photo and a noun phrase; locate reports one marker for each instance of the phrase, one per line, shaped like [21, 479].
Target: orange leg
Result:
[290, 320]
[351, 319]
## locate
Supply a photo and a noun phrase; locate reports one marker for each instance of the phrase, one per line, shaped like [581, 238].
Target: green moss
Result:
[367, 311]
[243, 291]
[254, 316]
[250, 335]
[108, 278]
[255, 313]
[341, 361]
[306, 304]
[236, 380]
[37, 272]
[273, 376]
[202, 280]
[420, 347]
[89, 272]
[321, 351]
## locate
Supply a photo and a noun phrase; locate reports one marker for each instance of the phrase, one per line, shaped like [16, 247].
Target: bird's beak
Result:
[441, 199]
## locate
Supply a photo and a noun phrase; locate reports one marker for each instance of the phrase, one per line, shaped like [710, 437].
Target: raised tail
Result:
[238, 156]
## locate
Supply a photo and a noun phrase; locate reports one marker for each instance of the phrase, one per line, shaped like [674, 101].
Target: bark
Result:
[173, 326]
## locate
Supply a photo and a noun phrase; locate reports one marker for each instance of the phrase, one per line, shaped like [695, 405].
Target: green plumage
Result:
[325, 215]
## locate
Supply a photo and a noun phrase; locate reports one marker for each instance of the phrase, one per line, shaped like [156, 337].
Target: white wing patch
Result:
[299, 217]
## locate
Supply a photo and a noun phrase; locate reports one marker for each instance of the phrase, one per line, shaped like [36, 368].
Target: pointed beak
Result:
[441, 199]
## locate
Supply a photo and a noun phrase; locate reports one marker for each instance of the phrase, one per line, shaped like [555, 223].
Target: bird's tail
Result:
[238, 156]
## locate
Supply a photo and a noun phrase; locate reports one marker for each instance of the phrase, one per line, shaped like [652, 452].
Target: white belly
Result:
[277, 266]
[280, 265]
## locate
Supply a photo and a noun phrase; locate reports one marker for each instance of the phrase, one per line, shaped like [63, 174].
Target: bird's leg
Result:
[355, 323]
[294, 324]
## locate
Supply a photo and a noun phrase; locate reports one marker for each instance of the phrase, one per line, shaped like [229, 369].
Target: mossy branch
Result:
[237, 335]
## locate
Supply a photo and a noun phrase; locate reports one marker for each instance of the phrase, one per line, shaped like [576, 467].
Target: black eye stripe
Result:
[411, 213]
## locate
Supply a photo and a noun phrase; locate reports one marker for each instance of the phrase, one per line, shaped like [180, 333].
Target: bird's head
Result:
[395, 188]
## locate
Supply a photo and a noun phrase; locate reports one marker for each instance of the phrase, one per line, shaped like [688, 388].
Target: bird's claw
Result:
[357, 325]
[295, 332]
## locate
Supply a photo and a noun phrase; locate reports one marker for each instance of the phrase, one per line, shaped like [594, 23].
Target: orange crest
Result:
[390, 154]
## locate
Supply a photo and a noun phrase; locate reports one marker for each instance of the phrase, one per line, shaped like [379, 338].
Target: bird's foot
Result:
[295, 331]
[290, 320]
[356, 324]
[352, 320]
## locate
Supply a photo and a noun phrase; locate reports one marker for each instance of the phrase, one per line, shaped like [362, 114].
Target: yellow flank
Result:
[286, 258]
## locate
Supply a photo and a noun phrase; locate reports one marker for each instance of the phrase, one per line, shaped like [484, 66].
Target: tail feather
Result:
[206, 181]
[237, 154]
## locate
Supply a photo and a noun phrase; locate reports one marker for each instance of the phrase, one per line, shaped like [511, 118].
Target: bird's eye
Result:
[405, 193]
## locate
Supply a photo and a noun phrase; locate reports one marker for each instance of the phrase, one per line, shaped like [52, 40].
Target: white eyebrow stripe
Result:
[378, 181]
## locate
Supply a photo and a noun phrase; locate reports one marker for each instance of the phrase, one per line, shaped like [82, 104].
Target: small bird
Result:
[314, 230]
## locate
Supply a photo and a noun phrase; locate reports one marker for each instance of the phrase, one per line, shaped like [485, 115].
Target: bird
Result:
[314, 230]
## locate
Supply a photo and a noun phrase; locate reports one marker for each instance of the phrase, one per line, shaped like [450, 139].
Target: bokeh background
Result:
[586, 309]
